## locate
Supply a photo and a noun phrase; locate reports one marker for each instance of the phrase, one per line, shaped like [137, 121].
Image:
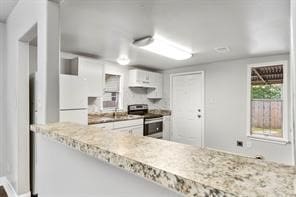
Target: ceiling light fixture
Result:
[123, 60]
[163, 47]
[222, 49]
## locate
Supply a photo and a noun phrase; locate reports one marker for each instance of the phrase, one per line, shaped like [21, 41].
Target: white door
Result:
[187, 108]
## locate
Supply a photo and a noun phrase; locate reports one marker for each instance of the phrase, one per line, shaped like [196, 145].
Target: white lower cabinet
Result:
[108, 125]
[166, 127]
[138, 130]
[134, 127]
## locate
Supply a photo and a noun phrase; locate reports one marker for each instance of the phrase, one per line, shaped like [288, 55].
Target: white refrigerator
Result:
[73, 99]
[73, 108]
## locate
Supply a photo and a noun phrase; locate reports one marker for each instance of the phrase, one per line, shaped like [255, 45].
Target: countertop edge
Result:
[113, 120]
[166, 179]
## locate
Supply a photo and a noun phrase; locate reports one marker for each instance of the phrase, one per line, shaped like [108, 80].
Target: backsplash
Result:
[139, 96]
[130, 96]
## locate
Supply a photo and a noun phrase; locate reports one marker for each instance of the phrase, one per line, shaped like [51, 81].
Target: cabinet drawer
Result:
[108, 125]
[128, 123]
[134, 130]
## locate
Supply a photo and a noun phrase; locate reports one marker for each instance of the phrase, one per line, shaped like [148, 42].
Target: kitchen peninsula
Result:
[177, 169]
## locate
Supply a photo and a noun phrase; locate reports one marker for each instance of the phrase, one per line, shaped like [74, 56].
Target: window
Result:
[112, 94]
[267, 101]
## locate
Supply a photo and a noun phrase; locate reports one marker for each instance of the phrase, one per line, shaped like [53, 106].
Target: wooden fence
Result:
[267, 114]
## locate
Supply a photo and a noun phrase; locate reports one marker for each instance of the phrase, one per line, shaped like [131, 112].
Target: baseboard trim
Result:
[25, 195]
[8, 187]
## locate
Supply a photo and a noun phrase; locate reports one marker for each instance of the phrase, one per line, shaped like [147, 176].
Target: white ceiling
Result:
[6, 7]
[107, 28]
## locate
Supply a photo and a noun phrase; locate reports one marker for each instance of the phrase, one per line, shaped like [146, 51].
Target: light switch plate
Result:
[249, 144]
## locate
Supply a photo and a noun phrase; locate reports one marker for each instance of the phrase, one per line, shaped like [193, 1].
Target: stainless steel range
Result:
[152, 122]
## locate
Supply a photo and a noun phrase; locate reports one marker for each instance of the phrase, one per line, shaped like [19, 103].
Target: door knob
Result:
[199, 116]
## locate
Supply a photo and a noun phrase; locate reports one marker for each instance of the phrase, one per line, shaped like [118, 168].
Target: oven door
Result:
[153, 127]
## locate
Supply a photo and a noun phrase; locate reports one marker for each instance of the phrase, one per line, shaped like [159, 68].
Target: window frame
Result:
[120, 101]
[285, 138]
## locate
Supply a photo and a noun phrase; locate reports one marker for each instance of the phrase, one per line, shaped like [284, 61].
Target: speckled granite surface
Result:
[98, 118]
[183, 168]
[163, 112]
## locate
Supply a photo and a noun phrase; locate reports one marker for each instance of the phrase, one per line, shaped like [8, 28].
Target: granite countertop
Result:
[99, 118]
[183, 168]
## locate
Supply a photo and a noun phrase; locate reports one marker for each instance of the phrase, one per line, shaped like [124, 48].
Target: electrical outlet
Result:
[240, 143]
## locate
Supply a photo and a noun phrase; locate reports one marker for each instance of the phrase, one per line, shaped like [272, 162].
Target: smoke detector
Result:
[222, 49]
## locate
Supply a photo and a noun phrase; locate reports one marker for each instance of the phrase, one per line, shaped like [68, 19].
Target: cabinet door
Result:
[124, 130]
[139, 130]
[144, 77]
[156, 91]
[128, 123]
[107, 126]
[140, 78]
[153, 79]
[159, 85]
[134, 130]
[93, 72]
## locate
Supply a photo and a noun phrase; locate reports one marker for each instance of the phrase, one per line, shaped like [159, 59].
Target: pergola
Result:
[267, 75]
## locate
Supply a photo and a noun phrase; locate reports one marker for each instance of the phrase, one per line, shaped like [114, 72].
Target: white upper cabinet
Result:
[90, 69]
[147, 79]
[93, 72]
[139, 78]
[156, 83]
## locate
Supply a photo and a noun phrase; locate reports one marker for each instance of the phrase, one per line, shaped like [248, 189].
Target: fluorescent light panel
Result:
[166, 48]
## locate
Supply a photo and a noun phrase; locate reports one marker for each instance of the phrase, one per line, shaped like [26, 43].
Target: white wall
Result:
[293, 70]
[226, 105]
[28, 14]
[32, 59]
[2, 134]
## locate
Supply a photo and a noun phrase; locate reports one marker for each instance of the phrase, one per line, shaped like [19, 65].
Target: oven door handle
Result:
[153, 120]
